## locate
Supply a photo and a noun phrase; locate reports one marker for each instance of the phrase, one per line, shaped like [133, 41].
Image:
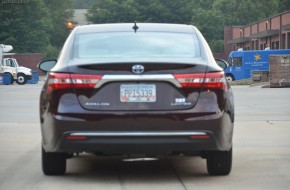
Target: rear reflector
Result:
[200, 137]
[76, 137]
[64, 80]
[202, 80]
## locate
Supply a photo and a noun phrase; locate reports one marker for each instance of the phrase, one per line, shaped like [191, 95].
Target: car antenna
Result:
[135, 27]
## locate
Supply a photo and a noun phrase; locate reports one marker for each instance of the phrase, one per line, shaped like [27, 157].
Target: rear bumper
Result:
[137, 135]
[132, 144]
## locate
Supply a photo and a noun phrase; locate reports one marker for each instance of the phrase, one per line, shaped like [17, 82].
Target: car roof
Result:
[142, 27]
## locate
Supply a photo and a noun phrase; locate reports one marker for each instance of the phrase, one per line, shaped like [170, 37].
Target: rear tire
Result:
[21, 79]
[53, 163]
[219, 162]
[230, 78]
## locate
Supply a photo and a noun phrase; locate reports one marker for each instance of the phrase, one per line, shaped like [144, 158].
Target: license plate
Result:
[138, 93]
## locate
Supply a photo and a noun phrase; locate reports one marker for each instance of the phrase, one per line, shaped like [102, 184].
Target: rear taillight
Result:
[190, 80]
[85, 81]
[76, 138]
[64, 80]
[215, 80]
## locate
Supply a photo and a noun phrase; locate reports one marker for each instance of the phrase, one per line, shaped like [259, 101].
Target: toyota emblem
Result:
[138, 69]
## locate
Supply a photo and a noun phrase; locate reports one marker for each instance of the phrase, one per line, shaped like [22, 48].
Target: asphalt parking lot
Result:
[261, 150]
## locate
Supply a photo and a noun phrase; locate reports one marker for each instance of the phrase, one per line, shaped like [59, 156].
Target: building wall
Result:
[262, 26]
[228, 35]
[275, 23]
[254, 28]
[285, 18]
[236, 32]
[246, 31]
[273, 32]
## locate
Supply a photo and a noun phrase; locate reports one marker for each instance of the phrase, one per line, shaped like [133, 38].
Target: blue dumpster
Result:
[35, 78]
[5, 78]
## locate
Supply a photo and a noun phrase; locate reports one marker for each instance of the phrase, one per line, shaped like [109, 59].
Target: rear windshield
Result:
[137, 45]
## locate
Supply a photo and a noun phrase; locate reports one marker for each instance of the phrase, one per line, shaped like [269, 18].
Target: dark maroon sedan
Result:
[127, 89]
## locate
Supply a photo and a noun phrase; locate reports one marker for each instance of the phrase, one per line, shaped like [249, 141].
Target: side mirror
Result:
[222, 63]
[47, 65]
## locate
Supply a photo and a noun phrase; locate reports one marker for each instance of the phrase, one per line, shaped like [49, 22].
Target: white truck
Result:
[12, 68]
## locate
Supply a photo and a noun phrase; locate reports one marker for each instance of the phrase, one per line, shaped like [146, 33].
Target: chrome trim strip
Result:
[112, 78]
[139, 134]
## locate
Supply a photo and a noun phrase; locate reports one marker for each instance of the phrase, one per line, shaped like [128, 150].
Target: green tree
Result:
[25, 26]
[210, 23]
[202, 4]
[110, 11]
[50, 52]
[217, 46]
[249, 11]
[242, 12]
[227, 9]
[60, 13]
[284, 5]
[116, 11]
[34, 25]
[177, 11]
